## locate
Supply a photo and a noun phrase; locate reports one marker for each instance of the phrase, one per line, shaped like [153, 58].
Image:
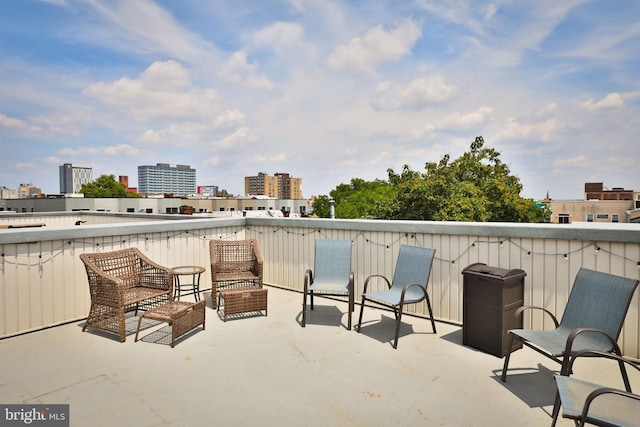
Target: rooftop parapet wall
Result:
[43, 281]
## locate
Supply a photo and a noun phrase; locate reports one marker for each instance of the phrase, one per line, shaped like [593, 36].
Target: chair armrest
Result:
[373, 276]
[604, 391]
[520, 310]
[567, 360]
[623, 363]
[406, 288]
[105, 288]
[155, 276]
[308, 279]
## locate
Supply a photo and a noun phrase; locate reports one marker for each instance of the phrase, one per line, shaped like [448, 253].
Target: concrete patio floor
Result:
[268, 371]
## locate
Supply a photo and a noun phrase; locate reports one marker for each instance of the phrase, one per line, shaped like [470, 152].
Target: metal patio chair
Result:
[592, 319]
[331, 275]
[408, 286]
[589, 403]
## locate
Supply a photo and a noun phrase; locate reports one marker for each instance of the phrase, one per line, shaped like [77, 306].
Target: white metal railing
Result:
[43, 282]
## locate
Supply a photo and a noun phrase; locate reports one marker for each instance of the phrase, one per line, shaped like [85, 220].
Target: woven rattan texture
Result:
[246, 300]
[183, 316]
[234, 264]
[122, 281]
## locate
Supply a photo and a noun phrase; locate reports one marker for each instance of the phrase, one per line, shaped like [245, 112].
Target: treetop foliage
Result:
[477, 186]
[106, 186]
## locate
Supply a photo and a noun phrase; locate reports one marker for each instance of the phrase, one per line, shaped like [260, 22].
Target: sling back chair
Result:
[592, 319]
[590, 403]
[408, 286]
[331, 275]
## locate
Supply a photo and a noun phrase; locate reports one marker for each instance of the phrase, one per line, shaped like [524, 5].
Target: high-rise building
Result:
[163, 178]
[288, 186]
[7, 193]
[72, 178]
[27, 191]
[280, 185]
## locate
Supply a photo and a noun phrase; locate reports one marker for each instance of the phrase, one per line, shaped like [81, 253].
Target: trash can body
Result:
[491, 295]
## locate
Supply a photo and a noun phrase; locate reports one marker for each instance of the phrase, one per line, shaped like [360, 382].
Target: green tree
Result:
[106, 186]
[320, 206]
[475, 187]
[362, 199]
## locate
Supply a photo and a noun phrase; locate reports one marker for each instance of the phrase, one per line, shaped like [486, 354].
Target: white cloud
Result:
[58, 123]
[17, 125]
[612, 101]
[376, 46]
[162, 91]
[212, 161]
[141, 26]
[28, 165]
[458, 121]
[237, 70]
[542, 129]
[271, 158]
[548, 109]
[230, 118]
[279, 37]
[573, 161]
[238, 137]
[110, 150]
[415, 95]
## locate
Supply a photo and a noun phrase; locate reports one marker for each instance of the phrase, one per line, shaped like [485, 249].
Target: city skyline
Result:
[325, 90]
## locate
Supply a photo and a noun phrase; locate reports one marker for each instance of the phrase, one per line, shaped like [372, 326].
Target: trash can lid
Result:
[503, 273]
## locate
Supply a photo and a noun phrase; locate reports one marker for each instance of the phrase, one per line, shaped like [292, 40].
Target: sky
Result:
[325, 90]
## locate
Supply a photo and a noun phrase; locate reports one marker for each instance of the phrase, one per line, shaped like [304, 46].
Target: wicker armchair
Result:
[234, 263]
[122, 281]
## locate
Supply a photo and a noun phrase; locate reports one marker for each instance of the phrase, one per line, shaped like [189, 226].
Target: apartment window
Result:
[131, 210]
[615, 218]
[149, 210]
[221, 209]
[590, 217]
[172, 210]
[603, 216]
[563, 219]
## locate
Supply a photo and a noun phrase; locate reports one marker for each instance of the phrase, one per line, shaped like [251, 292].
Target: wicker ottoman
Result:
[243, 300]
[182, 316]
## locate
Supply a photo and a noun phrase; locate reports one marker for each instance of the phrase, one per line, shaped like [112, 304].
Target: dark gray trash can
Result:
[491, 295]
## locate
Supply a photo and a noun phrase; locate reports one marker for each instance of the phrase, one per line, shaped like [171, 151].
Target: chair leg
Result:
[506, 358]
[360, 317]
[304, 308]
[433, 323]
[351, 306]
[398, 321]
[556, 410]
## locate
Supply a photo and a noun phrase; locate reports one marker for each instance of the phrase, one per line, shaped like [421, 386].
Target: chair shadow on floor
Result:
[130, 326]
[535, 387]
[383, 330]
[325, 315]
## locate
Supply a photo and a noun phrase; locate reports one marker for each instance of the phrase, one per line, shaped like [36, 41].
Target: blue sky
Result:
[324, 90]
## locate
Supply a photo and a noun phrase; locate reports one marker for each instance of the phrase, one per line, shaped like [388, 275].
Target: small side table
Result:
[187, 270]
